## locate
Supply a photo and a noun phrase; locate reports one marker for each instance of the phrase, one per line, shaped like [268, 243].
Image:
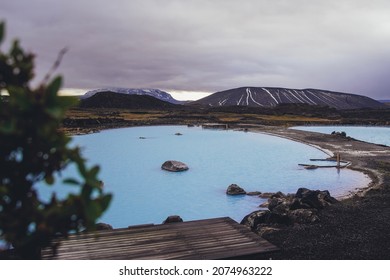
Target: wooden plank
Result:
[175, 246]
[161, 246]
[204, 239]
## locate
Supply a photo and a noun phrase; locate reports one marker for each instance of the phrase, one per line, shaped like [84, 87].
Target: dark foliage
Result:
[33, 150]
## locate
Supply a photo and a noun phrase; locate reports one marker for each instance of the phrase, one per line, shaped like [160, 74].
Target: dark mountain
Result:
[271, 97]
[110, 99]
[386, 102]
[156, 93]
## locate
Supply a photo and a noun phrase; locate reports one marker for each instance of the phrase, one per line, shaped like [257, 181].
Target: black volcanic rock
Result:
[103, 226]
[271, 97]
[125, 101]
[300, 208]
[234, 189]
[173, 219]
[174, 166]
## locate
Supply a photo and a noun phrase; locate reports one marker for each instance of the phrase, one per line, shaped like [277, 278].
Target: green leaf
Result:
[93, 211]
[54, 86]
[106, 199]
[71, 181]
[2, 31]
[94, 171]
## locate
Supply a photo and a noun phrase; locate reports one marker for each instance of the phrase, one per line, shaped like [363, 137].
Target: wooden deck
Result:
[219, 238]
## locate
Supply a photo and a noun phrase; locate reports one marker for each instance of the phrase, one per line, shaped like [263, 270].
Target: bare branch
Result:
[55, 66]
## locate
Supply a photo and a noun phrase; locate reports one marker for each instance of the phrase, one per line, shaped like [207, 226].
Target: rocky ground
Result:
[87, 120]
[357, 227]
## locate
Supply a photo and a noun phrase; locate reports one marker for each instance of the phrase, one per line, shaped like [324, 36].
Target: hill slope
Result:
[270, 97]
[110, 99]
[156, 93]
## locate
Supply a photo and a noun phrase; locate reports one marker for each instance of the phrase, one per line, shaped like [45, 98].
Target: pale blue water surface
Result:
[144, 193]
[372, 134]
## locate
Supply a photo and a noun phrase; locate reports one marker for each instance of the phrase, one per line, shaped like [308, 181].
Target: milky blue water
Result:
[144, 193]
[372, 134]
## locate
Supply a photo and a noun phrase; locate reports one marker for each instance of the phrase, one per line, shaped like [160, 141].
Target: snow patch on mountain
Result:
[270, 97]
[156, 93]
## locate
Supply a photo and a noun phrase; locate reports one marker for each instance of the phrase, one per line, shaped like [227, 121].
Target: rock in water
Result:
[174, 166]
[253, 193]
[173, 219]
[234, 189]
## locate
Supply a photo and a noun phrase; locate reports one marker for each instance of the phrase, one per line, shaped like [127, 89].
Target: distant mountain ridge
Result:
[270, 97]
[108, 99]
[156, 93]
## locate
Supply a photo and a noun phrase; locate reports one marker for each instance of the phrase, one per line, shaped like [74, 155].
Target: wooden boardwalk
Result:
[219, 238]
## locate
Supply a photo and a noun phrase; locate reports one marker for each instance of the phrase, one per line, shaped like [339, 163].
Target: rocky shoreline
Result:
[358, 227]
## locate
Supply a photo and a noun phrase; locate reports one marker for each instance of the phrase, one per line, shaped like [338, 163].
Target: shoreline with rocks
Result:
[358, 226]
[356, 152]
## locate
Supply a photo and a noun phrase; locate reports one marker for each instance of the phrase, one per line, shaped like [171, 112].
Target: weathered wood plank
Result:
[204, 239]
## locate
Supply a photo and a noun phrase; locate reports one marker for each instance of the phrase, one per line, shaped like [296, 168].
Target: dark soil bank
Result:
[358, 228]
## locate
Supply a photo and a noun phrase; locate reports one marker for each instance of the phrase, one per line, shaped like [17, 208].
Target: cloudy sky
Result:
[208, 46]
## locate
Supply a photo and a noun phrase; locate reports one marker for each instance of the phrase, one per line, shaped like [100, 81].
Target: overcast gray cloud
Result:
[201, 45]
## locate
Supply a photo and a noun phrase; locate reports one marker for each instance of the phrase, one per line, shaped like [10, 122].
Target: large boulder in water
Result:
[174, 166]
[234, 189]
